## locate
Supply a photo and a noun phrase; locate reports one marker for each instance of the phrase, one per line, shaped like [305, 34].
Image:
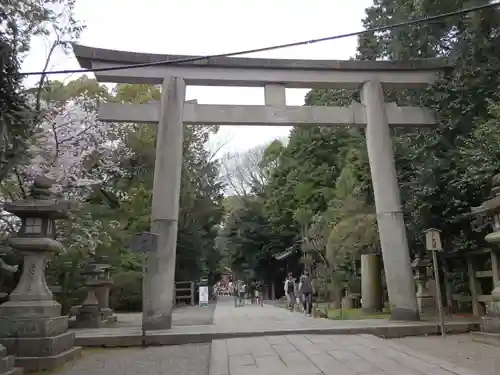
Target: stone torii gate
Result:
[274, 75]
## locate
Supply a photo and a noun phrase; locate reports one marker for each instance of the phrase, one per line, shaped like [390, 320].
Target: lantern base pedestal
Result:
[43, 353]
[38, 339]
[88, 317]
[490, 326]
[30, 309]
[108, 314]
[7, 363]
[32, 327]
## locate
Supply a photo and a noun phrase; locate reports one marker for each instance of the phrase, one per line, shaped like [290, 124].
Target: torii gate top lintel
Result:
[256, 72]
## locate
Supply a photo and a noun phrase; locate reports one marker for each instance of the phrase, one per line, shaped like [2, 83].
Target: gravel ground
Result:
[191, 359]
[459, 350]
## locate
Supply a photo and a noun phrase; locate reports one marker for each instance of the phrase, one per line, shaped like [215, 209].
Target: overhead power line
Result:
[276, 47]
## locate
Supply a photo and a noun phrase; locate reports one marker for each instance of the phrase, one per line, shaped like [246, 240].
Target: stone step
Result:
[6, 363]
[40, 346]
[14, 371]
[3, 351]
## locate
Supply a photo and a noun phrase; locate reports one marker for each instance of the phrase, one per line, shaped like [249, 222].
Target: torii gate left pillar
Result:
[159, 282]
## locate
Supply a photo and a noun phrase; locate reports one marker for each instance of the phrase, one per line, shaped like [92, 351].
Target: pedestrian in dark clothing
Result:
[306, 289]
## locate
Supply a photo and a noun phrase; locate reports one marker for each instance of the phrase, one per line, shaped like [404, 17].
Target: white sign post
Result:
[203, 296]
[433, 244]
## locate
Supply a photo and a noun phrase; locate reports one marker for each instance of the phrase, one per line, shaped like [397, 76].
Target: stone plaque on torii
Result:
[275, 75]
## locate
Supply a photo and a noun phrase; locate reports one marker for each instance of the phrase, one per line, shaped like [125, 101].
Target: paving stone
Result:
[343, 355]
[241, 360]
[313, 355]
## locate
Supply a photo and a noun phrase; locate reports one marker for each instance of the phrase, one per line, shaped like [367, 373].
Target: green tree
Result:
[438, 189]
[247, 240]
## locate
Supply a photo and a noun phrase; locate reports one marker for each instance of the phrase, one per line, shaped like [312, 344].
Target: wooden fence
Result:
[185, 293]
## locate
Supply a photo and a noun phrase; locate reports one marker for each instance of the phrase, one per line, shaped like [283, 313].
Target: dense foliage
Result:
[318, 192]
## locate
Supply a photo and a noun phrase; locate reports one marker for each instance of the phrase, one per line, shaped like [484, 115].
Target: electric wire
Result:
[423, 20]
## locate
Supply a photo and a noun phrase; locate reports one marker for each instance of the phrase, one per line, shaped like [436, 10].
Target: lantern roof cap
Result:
[42, 201]
[53, 208]
[91, 269]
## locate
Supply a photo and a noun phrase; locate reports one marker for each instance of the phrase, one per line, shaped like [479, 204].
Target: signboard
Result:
[433, 240]
[203, 296]
[144, 242]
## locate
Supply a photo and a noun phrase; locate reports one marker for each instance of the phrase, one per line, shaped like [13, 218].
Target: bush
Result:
[126, 293]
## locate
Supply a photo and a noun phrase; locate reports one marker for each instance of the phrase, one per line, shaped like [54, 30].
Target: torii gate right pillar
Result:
[392, 231]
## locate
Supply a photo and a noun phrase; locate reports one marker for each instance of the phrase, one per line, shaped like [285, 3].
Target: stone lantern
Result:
[491, 322]
[425, 297]
[31, 325]
[103, 288]
[89, 313]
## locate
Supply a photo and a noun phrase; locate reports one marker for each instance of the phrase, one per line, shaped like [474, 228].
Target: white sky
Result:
[200, 27]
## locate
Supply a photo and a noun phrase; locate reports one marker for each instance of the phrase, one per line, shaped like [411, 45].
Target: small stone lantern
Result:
[425, 298]
[103, 289]
[31, 325]
[89, 313]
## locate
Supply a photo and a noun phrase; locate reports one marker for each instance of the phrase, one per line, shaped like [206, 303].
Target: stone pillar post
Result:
[160, 272]
[392, 231]
[371, 282]
[477, 308]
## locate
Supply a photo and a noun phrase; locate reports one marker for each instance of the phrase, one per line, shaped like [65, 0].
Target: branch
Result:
[20, 183]
[8, 223]
[44, 73]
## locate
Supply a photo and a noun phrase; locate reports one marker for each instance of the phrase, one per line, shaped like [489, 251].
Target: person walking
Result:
[290, 291]
[234, 291]
[258, 293]
[306, 290]
[251, 292]
[242, 291]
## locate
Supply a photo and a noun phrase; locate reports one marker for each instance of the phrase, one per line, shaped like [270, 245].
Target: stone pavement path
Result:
[458, 349]
[301, 354]
[192, 359]
[255, 318]
[323, 354]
